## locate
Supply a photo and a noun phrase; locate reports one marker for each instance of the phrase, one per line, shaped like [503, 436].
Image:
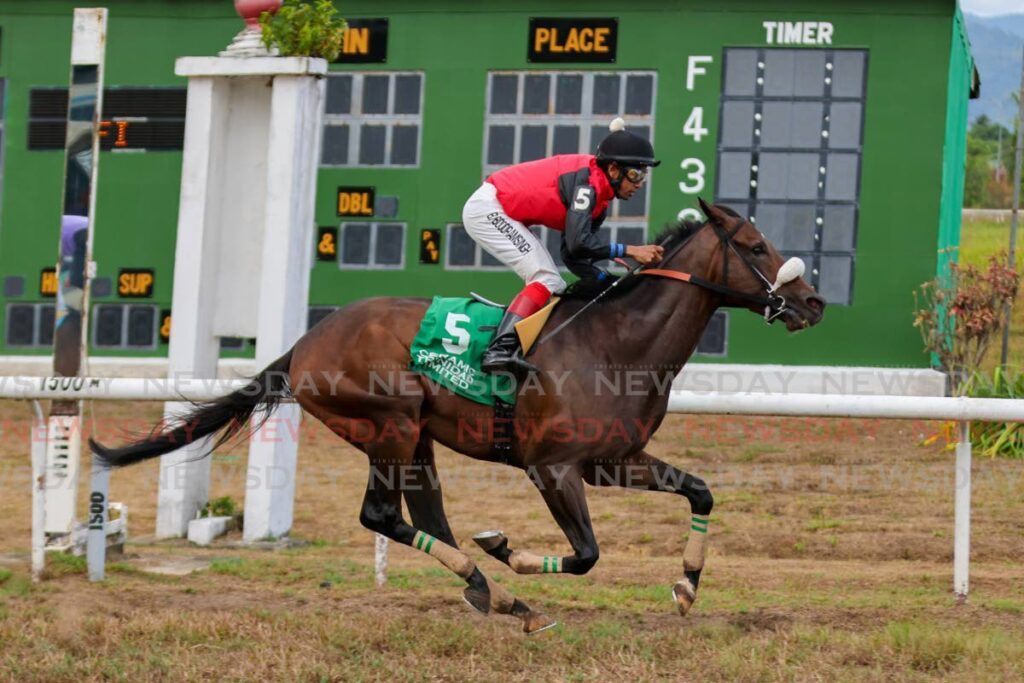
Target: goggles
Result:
[635, 175]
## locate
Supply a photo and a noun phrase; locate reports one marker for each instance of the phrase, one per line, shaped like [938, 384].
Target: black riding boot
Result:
[504, 353]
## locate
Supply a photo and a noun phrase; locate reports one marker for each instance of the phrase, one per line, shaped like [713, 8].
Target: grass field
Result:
[830, 559]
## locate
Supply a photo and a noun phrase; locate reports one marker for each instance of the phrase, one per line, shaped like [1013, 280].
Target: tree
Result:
[977, 173]
[989, 165]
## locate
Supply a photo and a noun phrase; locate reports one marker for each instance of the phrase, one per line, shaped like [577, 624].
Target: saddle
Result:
[529, 328]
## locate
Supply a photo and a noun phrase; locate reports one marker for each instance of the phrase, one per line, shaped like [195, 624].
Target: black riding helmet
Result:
[625, 148]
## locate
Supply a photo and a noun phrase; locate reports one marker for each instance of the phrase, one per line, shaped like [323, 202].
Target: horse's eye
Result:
[759, 250]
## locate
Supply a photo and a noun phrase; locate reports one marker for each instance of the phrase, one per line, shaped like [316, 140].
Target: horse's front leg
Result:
[645, 472]
[561, 486]
[423, 498]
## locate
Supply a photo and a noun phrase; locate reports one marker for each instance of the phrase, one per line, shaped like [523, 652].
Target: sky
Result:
[989, 7]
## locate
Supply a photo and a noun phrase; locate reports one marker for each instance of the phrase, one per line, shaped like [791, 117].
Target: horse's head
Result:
[748, 271]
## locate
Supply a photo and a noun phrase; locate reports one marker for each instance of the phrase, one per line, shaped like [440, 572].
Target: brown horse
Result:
[350, 372]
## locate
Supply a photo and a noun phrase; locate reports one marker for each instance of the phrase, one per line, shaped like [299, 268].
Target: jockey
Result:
[566, 192]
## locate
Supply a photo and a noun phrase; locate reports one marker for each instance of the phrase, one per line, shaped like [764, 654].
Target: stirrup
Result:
[514, 364]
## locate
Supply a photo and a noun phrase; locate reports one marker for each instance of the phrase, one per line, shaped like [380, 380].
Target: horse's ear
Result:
[713, 213]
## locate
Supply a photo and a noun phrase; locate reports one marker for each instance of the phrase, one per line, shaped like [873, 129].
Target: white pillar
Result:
[245, 240]
[962, 523]
[292, 157]
[193, 351]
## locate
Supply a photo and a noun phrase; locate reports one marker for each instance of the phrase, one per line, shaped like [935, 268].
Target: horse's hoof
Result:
[478, 600]
[489, 540]
[535, 622]
[684, 594]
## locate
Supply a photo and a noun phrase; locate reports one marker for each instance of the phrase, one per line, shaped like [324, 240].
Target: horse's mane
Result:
[671, 237]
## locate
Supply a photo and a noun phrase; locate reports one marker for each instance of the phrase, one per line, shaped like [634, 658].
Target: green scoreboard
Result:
[839, 128]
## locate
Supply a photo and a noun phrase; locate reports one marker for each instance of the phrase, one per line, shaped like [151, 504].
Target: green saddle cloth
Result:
[453, 336]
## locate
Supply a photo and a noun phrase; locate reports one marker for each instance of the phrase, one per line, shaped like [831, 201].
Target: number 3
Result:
[582, 200]
[461, 342]
[696, 175]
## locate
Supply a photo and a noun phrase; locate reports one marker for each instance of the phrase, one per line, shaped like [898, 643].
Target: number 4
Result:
[694, 126]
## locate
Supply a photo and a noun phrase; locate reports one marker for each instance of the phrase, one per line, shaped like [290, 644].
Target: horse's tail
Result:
[230, 413]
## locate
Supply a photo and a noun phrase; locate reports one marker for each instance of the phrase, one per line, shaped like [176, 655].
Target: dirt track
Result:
[831, 547]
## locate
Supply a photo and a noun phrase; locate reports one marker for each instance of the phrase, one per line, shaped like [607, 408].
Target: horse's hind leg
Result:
[643, 471]
[382, 513]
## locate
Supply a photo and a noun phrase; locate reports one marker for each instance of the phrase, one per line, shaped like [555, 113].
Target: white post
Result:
[193, 351]
[380, 559]
[292, 158]
[962, 522]
[96, 541]
[38, 491]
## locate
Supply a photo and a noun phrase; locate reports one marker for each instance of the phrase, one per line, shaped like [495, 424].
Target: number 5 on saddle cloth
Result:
[451, 340]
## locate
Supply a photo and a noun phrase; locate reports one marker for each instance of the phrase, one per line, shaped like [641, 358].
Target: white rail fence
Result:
[961, 410]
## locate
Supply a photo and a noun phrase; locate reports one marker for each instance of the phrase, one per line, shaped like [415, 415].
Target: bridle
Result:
[774, 303]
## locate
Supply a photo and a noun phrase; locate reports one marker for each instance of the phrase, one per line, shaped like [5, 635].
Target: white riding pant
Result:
[508, 240]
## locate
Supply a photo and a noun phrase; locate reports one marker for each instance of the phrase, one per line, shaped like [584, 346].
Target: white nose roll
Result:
[790, 270]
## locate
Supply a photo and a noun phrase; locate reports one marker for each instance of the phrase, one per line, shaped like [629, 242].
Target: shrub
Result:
[219, 507]
[959, 316]
[304, 29]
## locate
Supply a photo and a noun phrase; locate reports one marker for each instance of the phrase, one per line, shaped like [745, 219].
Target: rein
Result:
[774, 304]
[635, 270]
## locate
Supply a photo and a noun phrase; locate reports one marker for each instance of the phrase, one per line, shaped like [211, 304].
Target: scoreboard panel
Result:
[826, 125]
[145, 119]
[789, 151]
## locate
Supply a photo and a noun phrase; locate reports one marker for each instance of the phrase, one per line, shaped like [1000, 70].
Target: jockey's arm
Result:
[581, 240]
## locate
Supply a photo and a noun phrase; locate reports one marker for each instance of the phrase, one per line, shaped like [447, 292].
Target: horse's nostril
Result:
[816, 303]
